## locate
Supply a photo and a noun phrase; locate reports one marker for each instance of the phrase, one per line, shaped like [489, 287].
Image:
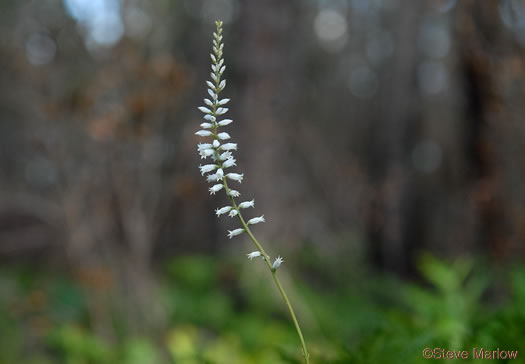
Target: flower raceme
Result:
[218, 170]
[220, 153]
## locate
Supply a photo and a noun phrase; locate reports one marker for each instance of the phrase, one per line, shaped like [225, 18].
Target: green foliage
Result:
[215, 315]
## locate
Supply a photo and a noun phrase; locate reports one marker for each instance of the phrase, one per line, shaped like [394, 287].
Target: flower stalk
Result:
[222, 159]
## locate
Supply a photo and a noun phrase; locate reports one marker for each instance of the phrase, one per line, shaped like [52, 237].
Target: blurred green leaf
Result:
[357, 318]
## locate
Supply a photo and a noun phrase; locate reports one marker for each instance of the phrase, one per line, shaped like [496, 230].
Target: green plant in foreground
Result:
[221, 155]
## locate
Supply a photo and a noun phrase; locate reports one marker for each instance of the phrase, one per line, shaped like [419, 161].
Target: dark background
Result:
[383, 141]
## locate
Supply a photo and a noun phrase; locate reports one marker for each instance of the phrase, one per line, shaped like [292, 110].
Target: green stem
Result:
[294, 319]
[273, 271]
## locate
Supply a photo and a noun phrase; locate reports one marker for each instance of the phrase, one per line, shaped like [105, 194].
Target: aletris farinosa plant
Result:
[220, 152]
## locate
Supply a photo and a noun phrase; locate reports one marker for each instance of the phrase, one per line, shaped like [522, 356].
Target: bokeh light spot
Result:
[40, 49]
[331, 29]
[100, 18]
[137, 21]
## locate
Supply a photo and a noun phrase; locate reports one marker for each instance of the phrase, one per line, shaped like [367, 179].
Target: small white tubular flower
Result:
[204, 133]
[220, 174]
[277, 262]
[234, 193]
[210, 117]
[223, 68]
[253, 255]
[213, 58]
[207, 101]
[213, 77]
[221, 110]
[215, 188]
[256, 220]
[223, 210]
[222, 84]
[212, 178]
[212, 93]
[225, 122]
[233, 213]
[229, 163]
[229, 146]
[216, 143]
[232, 233]
[224, 156]
[224, 101]
[221, 136]
[202, 146]
[205, 153]
[204, 109]
[246, 204]
[235, 176]
[207, 168]
[206, 125]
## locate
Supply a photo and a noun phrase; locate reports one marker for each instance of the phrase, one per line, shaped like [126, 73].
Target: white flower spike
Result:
[222, 158]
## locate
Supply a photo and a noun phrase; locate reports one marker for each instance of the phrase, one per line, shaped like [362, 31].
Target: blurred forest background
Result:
[384, 141]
